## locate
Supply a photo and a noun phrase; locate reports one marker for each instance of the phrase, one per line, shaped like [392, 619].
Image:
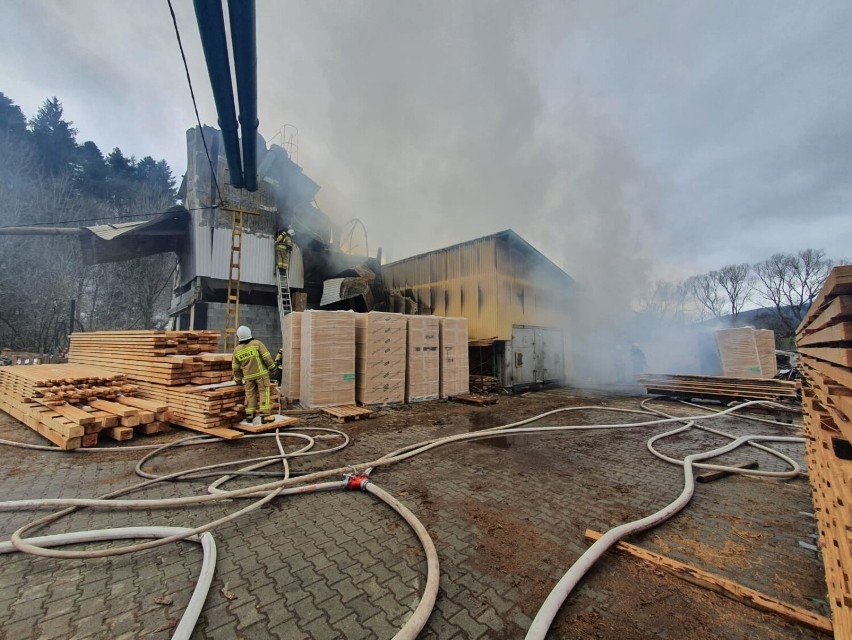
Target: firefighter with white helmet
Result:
[251, 364]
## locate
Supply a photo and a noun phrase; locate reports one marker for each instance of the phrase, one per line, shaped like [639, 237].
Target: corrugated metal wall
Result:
[458, 281]
[495, 282]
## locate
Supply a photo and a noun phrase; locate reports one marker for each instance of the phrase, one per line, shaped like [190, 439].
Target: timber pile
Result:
[718, 387]
[162, 357]
[71, 405]
[747, 352]
[484, 384]
[173, 368]
[824, 339]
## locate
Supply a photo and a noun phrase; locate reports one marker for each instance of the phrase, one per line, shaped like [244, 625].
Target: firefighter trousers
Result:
[282, 257]
[258, 397]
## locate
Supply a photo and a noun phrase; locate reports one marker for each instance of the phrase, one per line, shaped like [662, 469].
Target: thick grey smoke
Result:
[435, 124]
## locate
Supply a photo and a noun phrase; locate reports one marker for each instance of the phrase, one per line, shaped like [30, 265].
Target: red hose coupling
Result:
[357, 481]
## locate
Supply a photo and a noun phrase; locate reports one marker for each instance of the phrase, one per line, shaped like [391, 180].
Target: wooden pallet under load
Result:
[824, 339]
[718, 387]
[71, 405]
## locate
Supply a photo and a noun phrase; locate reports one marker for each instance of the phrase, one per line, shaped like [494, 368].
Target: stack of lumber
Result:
[327, 374]
[199, 408]
[484, 384]
[453, 361]
[718, 387]
[824, 339]
[162, 357]
[71, 405]
[171, 368]
[291, 355]
[747, 353]
[422, 364]
[380, 358]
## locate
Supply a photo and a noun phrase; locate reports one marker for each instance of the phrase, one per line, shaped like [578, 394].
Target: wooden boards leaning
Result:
[826, 357]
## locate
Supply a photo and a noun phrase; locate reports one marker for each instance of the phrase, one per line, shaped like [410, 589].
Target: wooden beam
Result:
[710, 476]
[725, 587]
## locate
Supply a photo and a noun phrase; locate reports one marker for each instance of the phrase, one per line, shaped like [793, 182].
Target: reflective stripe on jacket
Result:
[251, 360]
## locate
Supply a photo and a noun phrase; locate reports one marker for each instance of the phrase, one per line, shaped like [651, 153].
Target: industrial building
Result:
[518, 304]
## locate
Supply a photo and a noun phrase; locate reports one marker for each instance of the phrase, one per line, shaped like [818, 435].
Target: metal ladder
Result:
[285, 304]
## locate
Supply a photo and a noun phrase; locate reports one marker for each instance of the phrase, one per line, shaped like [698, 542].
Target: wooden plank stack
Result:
[174, 368]
[380, 358]
[824, 339]
[328, 359]
[162, 357]
[71, 405]
[718, 387]
[453, 361]
[291, 355]
[747, 353]
[422, 369]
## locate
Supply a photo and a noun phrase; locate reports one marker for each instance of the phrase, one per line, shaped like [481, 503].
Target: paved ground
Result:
[507, 518]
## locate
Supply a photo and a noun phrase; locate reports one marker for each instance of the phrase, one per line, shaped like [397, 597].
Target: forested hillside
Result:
[48, 178]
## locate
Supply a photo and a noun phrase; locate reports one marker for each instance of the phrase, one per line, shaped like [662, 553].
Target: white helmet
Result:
[290, 231]
[243, 333]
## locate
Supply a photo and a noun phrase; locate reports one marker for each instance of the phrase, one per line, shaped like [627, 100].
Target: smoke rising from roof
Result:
[435, 126]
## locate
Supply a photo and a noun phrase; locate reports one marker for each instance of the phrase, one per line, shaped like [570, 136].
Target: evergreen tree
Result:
[54, 138]
[12, 119]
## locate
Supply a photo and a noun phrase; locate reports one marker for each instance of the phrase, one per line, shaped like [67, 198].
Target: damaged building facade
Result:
[517, 302]
[320, 274]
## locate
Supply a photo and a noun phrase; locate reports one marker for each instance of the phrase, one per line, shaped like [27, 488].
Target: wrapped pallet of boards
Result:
[327, 376]
[380, 340]
[291, 356]
[454, 369]
[422, 369]
[746, 353]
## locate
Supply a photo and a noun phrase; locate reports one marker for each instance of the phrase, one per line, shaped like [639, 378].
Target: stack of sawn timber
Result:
[162, 363]
[824, 339]
[718, 387]
[162, 357]
[747, 353]
[71, 404]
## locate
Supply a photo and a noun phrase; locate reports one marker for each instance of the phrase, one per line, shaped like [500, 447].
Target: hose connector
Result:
[356, 481]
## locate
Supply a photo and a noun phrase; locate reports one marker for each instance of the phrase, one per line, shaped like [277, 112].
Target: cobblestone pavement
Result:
[507, 517]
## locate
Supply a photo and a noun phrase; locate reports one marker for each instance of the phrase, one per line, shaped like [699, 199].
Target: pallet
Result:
[282, 421]
[347, 413]
[474, 399]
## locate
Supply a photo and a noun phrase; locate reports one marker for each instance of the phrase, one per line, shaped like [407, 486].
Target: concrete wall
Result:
[263, 322]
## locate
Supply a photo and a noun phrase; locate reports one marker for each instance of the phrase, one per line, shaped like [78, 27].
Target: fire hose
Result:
[306, 483]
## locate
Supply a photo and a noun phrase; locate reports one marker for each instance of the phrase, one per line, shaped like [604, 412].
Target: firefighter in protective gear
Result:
[251, 364]
[283, 246]
[278, 373]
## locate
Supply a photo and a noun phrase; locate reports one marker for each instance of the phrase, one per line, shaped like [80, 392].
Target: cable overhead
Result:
[194, 102]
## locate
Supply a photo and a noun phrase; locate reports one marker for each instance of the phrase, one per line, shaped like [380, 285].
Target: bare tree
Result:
[737, 284]
[704, 289]
[665, 301]
[790, 282]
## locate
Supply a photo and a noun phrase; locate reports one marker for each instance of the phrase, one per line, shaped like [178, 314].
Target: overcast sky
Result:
[634, 140]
